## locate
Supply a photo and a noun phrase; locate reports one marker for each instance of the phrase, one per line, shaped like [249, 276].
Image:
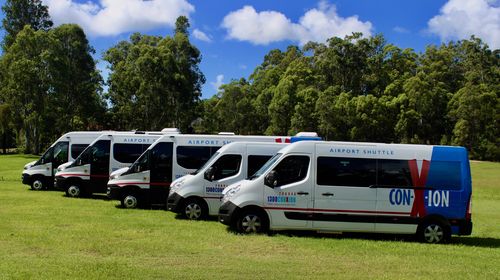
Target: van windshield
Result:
[207, 164]
[141, 164]
[265, 167]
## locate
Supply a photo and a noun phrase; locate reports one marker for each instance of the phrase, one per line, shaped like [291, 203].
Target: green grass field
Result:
[44, 235]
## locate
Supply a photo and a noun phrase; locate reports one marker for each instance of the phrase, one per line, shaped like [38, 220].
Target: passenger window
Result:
[292, 169]
[128, 153]
[255, 163]
[226, 166]
[193, 157]
[350, 172]
[77, 149]
[60, 154]
[393, 173]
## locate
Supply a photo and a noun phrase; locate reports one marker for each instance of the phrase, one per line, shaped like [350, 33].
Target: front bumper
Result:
[26, 178]
[174, 202]
[60, 183]
[227, 213]
[114, 192]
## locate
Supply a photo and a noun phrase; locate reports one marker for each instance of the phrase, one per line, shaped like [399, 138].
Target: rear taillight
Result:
[469, 208]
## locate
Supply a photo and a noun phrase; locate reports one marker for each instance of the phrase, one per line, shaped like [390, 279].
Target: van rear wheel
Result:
[194, 209]
[252, 221]
[434, 231]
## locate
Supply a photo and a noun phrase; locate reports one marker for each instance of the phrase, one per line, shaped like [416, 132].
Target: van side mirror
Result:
[271, 179]
[209, 174]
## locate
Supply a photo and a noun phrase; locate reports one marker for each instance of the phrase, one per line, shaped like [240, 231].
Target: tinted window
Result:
[226, 166]
[100, 151]
[445, 175]
[77, 149]
[161, 162]
[193, 157]
[358, 172]
[60, 154]
[292, 169]
[393, 173]
[256, 162]
[128, 153]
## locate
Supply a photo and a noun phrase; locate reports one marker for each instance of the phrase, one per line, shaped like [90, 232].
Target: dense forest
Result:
[349, 89]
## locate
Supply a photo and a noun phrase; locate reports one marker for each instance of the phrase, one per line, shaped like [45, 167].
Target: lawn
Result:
[44, 235]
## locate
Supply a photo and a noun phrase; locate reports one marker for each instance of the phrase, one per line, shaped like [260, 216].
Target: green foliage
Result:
[19, 13]
[154, 82]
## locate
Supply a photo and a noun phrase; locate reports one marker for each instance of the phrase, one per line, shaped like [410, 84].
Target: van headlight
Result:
[175, 187]
[230, 194]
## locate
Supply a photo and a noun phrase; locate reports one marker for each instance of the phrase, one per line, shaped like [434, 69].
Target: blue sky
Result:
[234, 35]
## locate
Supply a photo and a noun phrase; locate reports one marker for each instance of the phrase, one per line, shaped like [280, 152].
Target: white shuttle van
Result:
[89, 172]
[356, 187]
[39, 174]
[198, 194]
[148, 180]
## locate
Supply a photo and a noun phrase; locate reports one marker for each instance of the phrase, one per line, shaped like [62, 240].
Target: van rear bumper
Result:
[227, 213]
[465, 227]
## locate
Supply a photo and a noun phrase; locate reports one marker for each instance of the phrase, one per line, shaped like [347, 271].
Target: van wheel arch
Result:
[432, 225]
[252, 209]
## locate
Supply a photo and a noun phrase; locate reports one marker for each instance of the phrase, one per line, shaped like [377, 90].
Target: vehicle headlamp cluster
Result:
[230, 193]
[176, 186]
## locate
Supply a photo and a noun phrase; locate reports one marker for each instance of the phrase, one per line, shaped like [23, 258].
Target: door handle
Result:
[327, 194]
[302, 193]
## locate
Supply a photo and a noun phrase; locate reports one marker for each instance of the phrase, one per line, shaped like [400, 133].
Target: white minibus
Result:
[356, 187]
[89, 172]
[197, 195]
[148, 180]
[39, 174]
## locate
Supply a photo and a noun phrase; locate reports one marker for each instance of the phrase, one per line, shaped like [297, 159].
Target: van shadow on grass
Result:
[209, 218]
[472, 241]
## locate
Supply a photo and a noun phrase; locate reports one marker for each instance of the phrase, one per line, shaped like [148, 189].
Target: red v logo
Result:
[418, 180]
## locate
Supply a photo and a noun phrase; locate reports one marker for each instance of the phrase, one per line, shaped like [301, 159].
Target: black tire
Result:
[38, 184]
[194, 209]
[434, 231]
[130, 200]
[252, 221]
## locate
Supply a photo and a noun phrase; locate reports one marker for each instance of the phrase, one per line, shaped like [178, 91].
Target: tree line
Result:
[348, 89]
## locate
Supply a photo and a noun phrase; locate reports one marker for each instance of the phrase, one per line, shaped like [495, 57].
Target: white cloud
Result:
[318, 24]
[113, 17]
[399, 29]
[200, 35]
[218, 82]
[459, 19]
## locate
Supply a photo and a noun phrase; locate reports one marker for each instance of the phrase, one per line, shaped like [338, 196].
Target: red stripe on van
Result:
[338, 210]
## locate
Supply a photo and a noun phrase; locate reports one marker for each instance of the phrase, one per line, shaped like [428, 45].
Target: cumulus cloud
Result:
[459, 19]
[317, 24]
[218, 82]
[200, 35]
[113, 17]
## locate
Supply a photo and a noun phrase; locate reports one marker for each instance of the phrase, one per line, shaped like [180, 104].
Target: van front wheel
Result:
[130, 201]
[37, 184]
[251, 222]
[73, 191]
[195, 209]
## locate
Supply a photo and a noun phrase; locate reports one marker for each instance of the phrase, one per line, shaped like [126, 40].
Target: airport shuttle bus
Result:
[39, 174]
[356, 187]
[197, 195]
[89, 172]
[148, 180]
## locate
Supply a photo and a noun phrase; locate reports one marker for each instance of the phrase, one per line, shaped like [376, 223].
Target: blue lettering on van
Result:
[277, 199]
[438, 198]
[136, 140]
[207, 142]
[400, 197]
[215, 189]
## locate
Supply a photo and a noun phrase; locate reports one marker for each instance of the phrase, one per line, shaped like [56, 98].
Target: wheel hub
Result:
[193, 211]
[433, 233]
[251, 223]
[130, 201]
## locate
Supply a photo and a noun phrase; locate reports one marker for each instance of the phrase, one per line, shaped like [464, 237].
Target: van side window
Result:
[226, 166]
[161, 162]
[292, 169]
[351, 172]
[445, 175]
[60, 154]
[395, 173]
[193, 157]
[255, 163]
[77, 149]
[127, 153]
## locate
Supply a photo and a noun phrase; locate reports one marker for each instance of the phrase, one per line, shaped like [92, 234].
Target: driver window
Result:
[226, 166]
[292, 169]
[60, 153]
